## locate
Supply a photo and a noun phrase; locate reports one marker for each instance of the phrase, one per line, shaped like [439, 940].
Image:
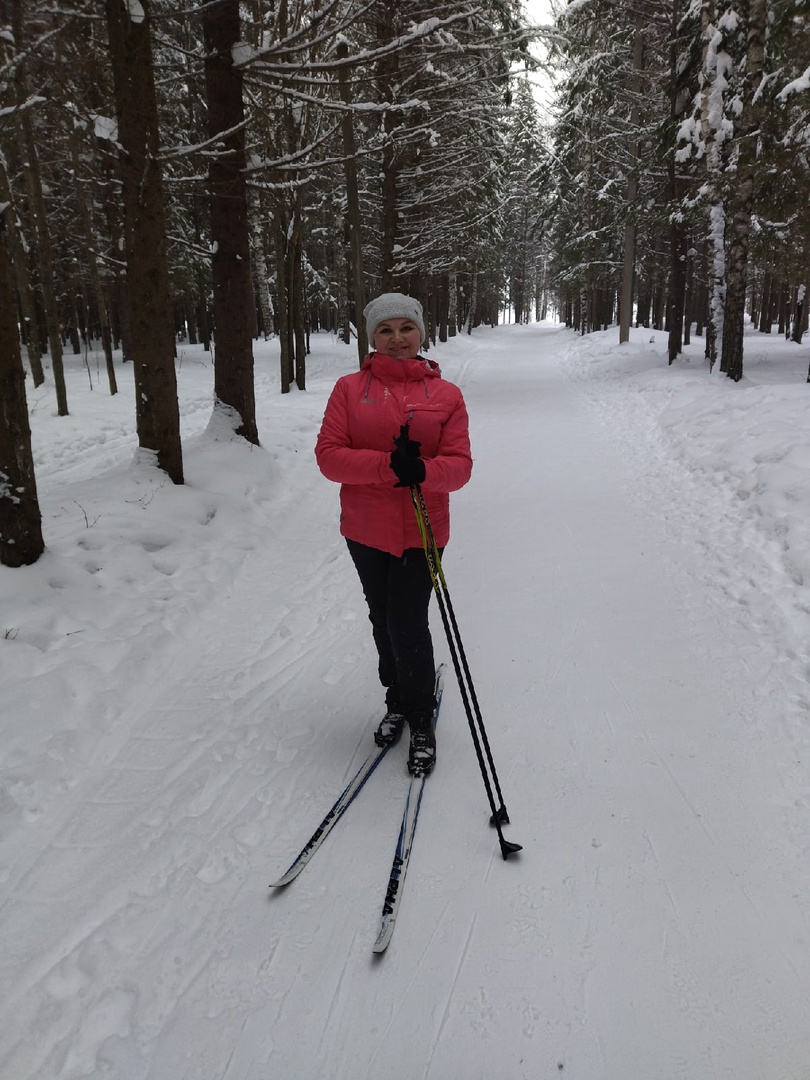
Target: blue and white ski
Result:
[402, 854]
[341, 805]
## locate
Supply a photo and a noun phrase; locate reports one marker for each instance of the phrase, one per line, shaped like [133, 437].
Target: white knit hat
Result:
[393, 305]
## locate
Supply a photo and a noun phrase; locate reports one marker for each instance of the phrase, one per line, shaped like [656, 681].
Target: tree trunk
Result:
[442, 307]
[299, 306]
[389, 218]
[452, 305]
[714, 326]
[260, 264]
[21, 540]
[741, 204]
[688, 295]
[36, 204]
[36, 201]
[473, 301]
[659, 304]
[387, 77]
[152, 329]
[92, 263]
[766, 304]
[644, 306]
[676, 290]
[800, 317]
[283, 304]
[699, 307]
[353, 218]
[19, 260]
[783, 313]
[120, 322]
[234, 309]
[629, 257]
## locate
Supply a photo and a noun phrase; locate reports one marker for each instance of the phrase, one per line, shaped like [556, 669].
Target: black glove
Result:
[405, 460]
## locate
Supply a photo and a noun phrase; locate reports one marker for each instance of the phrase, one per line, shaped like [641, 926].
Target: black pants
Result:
[397, 592]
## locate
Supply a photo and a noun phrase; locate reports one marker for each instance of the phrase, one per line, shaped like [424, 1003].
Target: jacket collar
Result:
[389, 368]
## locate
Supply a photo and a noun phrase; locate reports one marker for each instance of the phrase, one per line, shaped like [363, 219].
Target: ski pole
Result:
[503, 815]
[434, 558]
[474, 718]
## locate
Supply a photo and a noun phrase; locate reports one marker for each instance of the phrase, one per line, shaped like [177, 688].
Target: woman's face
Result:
[399, 338]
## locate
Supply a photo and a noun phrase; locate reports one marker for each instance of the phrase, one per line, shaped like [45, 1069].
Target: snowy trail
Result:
[655, 925]
[646, 715]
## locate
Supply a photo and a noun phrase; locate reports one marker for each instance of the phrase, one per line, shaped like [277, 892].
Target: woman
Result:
[391, 425]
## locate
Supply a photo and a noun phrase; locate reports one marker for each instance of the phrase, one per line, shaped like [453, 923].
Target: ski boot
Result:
[389, 729]
[422, 752]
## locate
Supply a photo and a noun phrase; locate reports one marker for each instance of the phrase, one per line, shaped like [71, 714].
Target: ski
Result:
[339, 808]
[402, 854]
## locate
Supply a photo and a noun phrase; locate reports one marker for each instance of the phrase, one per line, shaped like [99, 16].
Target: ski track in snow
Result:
[640, 666]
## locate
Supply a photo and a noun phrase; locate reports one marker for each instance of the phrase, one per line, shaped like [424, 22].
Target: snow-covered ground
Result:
[187, 683]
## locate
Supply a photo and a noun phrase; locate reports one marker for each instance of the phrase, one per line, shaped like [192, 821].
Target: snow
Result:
[32, 101]
[105, 128]
[186, 684]
[795, 87]
[243, 53]
[135, 10]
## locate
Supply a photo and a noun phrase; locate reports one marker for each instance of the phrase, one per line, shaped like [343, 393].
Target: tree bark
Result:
[473, 302]
[740, 216]
[19, 260]
[388, 73]
[714, 325]
[36, 201]
[629, 257]
[299, 301]
[353, 217]
[234, 309]
[152, 326]
[284, 302]
[800, 317]
[259, 259]
[676, 290]
[766, 304]
[36, 205]
[92, 263]
[21, 540]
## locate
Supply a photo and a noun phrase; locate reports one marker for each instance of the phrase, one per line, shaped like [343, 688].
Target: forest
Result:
[222, 172]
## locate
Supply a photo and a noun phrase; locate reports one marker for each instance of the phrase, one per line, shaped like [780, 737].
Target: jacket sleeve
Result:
[336, 457]
[451, 467]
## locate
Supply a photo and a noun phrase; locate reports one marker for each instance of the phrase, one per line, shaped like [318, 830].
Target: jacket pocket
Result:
[426, 420]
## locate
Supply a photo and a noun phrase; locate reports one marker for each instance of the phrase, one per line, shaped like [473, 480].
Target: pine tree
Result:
[156, 408]
[233, 291]
[21, 540]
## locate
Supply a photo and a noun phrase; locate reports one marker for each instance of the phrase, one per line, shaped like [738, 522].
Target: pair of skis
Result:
[402, 854]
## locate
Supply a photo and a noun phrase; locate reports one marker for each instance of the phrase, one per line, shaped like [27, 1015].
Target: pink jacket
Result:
[363, 416]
